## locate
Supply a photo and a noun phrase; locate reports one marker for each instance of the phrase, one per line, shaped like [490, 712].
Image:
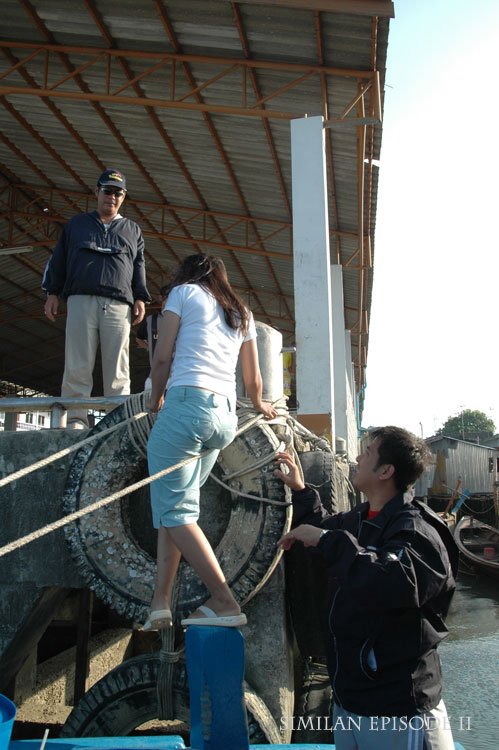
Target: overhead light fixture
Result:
[16, 250]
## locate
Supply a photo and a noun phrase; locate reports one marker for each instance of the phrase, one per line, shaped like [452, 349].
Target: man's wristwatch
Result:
[324, 531]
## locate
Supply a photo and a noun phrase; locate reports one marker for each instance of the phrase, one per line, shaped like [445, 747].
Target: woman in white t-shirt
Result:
[208, 327]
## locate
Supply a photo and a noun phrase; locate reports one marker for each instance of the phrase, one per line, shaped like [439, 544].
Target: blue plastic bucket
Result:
[7, 716]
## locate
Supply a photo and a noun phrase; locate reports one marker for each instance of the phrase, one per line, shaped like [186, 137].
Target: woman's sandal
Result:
[158, 619]
[212, 619]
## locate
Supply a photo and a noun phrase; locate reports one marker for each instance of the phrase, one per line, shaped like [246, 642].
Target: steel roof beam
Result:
[211, 127]
[132, 81]
[270, 140]
[353, 7]
[100, 111]
[180, 57]
[366, 140]
[104, 56]
[31, 130]
[34, 133]
[329, 141]
[203, 240]
[109, 40]
[55, 111]
[365, 265]
[7, 90]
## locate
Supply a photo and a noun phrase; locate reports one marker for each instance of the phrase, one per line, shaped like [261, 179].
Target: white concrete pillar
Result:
[10, 421]
[348, 354]
[339, 355]
[311, 262]
[353, 429]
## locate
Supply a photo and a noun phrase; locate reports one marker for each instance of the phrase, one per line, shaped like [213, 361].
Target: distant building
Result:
[491, 442]
[33, 420]
[476, 465]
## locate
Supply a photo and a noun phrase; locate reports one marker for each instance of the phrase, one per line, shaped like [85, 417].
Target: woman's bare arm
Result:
[169, 324]
[253, 378]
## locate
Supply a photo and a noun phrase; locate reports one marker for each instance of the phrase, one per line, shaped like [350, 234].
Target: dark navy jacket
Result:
[90, 259]
[390, 584]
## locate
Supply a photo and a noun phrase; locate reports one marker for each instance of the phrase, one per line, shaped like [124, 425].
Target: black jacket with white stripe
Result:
[390, 584]
[90, 259]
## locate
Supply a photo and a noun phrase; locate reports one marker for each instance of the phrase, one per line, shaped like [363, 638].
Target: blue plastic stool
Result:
[215, 668]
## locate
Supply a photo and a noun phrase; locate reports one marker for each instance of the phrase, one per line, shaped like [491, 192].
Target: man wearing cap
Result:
[98, 268]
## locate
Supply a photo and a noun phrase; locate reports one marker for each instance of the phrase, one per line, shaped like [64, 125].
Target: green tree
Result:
[466, 422]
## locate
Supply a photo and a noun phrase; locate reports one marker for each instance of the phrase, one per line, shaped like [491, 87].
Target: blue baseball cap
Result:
[112, 177]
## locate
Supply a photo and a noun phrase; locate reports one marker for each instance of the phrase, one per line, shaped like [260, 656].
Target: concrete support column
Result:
[10, 421]
[341, 394]
[58, 416]
[353, 430]
[311, 262]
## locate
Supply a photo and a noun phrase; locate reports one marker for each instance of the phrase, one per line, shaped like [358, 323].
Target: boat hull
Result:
[478, 543]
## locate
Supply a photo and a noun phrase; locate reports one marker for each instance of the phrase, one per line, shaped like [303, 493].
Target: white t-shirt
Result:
[206, 349]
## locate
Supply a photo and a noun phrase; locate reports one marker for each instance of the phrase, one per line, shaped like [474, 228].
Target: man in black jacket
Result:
[98, 267]
[391, 564]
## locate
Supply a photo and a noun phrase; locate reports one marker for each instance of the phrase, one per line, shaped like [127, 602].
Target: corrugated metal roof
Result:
[226, 163]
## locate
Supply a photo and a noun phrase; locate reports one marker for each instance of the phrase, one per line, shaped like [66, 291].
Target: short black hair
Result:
[408, 454]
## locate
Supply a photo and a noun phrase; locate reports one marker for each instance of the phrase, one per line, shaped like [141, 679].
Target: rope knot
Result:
[170, 657]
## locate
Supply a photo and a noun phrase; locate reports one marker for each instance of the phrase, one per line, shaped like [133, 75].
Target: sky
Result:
[434, 328]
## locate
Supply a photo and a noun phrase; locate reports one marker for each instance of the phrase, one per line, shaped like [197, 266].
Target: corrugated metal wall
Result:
[454, 459]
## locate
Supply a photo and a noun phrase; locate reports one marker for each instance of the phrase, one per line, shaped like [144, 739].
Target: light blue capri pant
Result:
[191, 420]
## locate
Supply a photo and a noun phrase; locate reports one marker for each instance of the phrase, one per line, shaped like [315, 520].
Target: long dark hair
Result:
[210, 273]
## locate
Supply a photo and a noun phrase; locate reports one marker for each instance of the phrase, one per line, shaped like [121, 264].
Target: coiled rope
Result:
[65, 520]
[169, 656]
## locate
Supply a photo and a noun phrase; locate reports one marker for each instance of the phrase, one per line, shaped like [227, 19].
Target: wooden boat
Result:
[479, 544]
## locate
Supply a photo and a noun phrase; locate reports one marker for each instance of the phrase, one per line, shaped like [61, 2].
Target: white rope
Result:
[65, 451]
[251, 497]
[256, 465]
[22, 541]
[65, 520]
[139, 433]
[138, 437]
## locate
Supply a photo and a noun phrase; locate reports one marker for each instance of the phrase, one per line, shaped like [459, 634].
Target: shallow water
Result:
[470, 660]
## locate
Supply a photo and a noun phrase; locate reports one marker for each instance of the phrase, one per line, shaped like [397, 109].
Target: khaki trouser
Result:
[89, 320]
